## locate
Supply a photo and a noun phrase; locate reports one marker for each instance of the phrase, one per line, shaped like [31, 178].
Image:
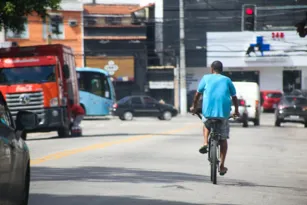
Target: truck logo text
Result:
[23, 88]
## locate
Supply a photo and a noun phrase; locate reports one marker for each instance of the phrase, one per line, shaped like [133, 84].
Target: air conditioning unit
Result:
[73, 23]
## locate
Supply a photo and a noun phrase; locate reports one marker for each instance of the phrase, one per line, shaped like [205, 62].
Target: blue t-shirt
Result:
[217, 90]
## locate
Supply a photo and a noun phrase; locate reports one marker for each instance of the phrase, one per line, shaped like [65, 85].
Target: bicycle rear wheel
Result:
[213, 154]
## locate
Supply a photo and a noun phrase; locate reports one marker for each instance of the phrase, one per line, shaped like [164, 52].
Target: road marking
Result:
[67, 153]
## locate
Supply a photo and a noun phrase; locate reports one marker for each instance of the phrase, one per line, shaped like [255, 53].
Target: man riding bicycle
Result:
[217, 90]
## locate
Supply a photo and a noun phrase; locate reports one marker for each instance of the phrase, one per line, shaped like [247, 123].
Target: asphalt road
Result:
[152, 162]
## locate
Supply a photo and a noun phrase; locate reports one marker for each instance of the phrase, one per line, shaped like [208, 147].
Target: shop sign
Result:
[161, 84]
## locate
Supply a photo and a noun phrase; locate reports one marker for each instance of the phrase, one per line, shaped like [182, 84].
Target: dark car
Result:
[142, 106]
[301, 93]
[291, 109]
[14, 155]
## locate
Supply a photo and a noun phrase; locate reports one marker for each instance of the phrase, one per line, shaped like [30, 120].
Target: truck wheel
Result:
[277, 123]
[63, 132]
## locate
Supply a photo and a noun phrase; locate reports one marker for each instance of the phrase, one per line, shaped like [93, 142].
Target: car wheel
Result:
[305, 124]
[160, 118]
[277, 123]
[167, 115]
[26, 189]
[121, 118]
[128, 116]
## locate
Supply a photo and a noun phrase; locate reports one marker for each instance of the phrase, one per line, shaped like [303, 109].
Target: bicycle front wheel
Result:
[214, 161]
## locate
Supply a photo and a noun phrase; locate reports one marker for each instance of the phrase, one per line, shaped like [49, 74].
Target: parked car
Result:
[291, 109]
[270, 99]
[243, 113]
[14, 156]
[142, 106]
[250, 92]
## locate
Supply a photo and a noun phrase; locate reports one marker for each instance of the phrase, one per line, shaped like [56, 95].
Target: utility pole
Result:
[183, 88]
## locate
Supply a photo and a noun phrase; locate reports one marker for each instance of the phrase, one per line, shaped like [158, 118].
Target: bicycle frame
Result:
[214, 136]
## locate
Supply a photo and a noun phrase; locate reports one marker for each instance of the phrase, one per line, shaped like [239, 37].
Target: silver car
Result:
[14, 155]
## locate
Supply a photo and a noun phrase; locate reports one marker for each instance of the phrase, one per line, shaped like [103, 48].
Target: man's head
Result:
[217, 67]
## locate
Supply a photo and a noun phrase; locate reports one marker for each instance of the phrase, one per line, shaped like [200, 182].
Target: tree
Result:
[13, 11]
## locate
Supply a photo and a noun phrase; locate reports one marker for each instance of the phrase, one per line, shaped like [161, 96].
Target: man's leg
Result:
[224, 146]
[77, 120]
[206, 135]
[206, 132]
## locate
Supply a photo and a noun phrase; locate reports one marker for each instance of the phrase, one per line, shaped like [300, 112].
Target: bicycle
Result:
[214, 151]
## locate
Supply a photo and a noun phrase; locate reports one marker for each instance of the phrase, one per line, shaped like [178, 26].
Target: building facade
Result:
[116, 35]
[203, 17]
[69, 17]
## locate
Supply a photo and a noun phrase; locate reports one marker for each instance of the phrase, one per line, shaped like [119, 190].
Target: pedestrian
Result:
[78, 113]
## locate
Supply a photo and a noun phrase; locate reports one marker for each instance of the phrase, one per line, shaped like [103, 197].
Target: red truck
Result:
[41, 79]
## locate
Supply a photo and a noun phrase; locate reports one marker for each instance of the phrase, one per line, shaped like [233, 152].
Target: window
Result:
[113, 20]
[295, 101]
[274, 95]
[34, 74]
[22, 35]
[95, 83]
[55, 27]
[149, 100]
[136, 100]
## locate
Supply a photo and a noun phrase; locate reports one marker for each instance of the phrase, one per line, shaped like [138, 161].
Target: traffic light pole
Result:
[182, 70]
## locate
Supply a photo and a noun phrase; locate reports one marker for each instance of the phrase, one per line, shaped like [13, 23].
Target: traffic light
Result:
[248, 17]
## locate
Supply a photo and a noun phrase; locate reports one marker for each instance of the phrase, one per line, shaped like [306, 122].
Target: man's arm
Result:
[196, 99]
[235, 103]
[200, 90]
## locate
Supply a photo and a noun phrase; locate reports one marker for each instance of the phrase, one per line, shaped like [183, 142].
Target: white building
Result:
[283, 65]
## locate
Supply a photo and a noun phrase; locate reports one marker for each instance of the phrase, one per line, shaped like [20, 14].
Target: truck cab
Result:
[40, 79]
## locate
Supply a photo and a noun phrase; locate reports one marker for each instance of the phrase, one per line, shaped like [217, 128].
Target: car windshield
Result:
[34, 74]
[295, 101]
[274, 95]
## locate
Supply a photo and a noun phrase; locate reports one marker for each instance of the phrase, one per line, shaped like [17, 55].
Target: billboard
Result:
[120, 68]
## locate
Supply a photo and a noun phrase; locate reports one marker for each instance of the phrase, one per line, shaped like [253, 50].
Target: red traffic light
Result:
[249, 11]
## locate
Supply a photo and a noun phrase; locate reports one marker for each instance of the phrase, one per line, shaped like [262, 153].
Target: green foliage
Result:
[13, 11]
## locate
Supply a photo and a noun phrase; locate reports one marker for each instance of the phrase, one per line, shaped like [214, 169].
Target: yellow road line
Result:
[66, 153]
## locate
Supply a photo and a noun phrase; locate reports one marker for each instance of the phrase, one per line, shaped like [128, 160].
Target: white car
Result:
[250, 92]
[243, 113]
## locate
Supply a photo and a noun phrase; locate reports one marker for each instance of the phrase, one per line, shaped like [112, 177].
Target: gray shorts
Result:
[222, 128]
[78, 120]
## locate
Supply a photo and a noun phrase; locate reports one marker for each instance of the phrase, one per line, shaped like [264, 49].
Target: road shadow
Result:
[95, 118]
[112, 174]
[117, 135]
[48, 199]
[234, 183]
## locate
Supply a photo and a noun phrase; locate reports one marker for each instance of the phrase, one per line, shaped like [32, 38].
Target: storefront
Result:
[275, 60]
